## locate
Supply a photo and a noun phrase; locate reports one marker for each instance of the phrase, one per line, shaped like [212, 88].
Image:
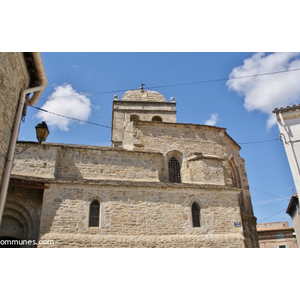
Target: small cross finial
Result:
[142, 86]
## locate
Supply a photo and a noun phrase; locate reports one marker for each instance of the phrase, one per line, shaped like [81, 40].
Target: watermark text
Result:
[30, 243]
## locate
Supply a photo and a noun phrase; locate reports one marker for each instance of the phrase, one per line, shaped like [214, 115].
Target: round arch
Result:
[25, 219]
[156, 119]
[176, 167]
[94, 212]
[134, 118]
[195, 206]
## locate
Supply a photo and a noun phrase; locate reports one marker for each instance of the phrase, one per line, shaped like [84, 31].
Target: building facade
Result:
[161, 184]
[276, 235]
[294, 212]
[288, 120]
[21, 74]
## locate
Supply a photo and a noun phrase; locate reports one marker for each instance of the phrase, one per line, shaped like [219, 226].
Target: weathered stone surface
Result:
[13, 79]
[139, 206]
[170, 241]
[142, 104]
[139, 210]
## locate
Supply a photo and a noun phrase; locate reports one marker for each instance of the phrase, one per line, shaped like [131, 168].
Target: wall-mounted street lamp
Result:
[42, 132]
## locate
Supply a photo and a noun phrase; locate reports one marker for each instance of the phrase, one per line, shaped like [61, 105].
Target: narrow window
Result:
[174, 170]
[196, 215]
[156, 119]
[94, 214]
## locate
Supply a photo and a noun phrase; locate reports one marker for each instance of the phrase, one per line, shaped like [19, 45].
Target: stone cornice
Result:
[127, 183]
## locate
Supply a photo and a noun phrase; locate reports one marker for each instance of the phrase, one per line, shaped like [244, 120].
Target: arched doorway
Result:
[12, 230]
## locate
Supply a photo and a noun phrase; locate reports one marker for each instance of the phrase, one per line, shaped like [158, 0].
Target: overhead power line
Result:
[272, 215]
[227, 78]
[71, 118]
[268, 193]
[109, 127]
[188, 83]
[260, 142]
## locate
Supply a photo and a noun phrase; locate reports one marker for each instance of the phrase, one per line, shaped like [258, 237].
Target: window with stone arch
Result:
[196, 215]
[174, 170]
[94, 218]
[134, 118]
[156, 119]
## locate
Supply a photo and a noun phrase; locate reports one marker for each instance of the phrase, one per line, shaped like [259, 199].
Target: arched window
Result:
[156, 119]
[134, 118]
[174, 170]
[94, 214]
[196, 214]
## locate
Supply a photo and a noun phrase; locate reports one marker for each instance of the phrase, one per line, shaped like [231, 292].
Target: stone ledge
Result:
[127, 183]
[85, 147]
[235, 240]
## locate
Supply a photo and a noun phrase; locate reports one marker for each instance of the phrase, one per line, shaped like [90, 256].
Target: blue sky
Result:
[83, 85]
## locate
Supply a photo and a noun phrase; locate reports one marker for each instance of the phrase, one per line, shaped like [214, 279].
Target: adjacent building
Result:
[276, 235]
[294, 212]
[288, 119]
[21, 75]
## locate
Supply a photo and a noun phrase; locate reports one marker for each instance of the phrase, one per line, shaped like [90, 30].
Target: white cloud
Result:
[68, 102]
[213, 120]
[264, 93]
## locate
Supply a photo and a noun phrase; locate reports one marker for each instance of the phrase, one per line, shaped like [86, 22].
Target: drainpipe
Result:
[42, 76]
[10, 156]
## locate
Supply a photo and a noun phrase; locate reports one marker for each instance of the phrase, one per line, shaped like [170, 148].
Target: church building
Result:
[160, 184]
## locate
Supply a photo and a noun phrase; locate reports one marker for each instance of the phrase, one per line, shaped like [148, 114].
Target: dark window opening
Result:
[94, 214]
[157, 119]
[174, 170]
[134, 118]
[196, 215]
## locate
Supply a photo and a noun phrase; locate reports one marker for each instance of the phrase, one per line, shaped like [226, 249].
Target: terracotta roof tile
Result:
[275, 229]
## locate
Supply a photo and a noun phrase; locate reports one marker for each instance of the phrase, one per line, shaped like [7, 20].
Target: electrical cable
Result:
[272, 215]
[71, 118]
[259, 142]
[188, 83]
[109, 127]
[252, 188]
[268, 193]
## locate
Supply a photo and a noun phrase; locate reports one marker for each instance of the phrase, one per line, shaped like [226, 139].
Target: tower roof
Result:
[143, 95]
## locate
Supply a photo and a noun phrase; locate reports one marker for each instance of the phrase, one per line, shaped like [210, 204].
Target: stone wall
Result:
[140, 215]
[145, 111]
[85, 162]
[13, 78]
[75, 162]
[138, 206]
[207, 155]
[35, 160]
[203, 151]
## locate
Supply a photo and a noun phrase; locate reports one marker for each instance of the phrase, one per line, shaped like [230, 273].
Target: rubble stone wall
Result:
[152, 215]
